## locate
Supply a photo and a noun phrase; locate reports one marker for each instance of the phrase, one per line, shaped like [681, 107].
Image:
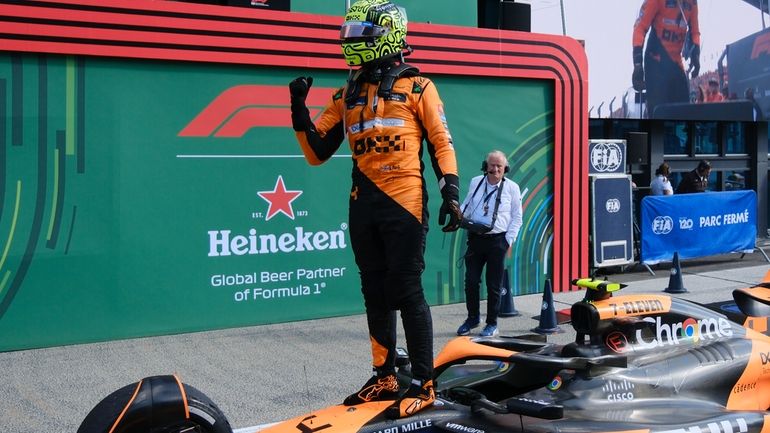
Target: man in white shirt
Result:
[492, 215]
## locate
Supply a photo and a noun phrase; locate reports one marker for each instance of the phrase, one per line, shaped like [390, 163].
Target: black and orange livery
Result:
[386, 111]
[385, 135]
[640, 363]
[670, 20]
[670, 24]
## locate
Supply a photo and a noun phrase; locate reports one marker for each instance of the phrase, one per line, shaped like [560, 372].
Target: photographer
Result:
[492, 216]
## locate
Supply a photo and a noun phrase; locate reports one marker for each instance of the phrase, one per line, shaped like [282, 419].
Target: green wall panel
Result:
[111, 221]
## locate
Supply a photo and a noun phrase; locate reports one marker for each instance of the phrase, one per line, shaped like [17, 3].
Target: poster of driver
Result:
[672, 59]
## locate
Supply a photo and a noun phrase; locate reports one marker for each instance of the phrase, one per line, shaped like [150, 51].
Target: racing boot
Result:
[419, 396]
[377, 388]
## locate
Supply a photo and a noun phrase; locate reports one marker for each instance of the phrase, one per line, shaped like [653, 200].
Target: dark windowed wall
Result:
[737, 151]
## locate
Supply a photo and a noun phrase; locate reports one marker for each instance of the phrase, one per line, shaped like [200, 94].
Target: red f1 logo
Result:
[240, 108]
[761, 46]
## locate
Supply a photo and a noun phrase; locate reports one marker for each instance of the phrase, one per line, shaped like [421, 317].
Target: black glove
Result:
[299, 88]
[300, 116]
[637, 78]
[450, 208]
[695, 61]
[450, 192]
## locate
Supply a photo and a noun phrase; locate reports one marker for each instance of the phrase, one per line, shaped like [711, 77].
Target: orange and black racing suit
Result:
[388, 200]
[664, 73]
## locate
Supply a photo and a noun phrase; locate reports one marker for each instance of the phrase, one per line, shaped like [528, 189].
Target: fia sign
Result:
[606, 157]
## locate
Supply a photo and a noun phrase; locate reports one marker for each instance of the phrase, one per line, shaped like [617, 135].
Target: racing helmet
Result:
[373, 30]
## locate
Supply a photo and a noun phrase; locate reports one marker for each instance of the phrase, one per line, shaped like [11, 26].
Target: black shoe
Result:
[377, 388]
[415, 399]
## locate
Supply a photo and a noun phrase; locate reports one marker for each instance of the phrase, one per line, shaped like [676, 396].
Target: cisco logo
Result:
[606, 157]
[662, 225]
[616, 390]
[612, 205]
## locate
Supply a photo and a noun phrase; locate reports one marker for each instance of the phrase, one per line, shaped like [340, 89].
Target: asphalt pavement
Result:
[263, 374]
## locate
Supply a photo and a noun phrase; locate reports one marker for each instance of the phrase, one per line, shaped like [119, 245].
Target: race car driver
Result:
[387, 109]
[662, 72]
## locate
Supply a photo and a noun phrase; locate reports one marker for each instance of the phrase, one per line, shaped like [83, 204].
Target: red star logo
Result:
[280, 199]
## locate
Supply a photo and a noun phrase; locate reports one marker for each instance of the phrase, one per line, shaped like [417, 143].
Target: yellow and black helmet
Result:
[373, 30]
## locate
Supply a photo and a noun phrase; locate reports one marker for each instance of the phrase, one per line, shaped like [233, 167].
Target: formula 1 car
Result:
[639, 363]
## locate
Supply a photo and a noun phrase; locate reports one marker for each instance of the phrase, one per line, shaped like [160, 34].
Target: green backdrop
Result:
[113, 225]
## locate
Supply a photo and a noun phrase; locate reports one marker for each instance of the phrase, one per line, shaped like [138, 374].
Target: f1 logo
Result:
[240, 108]
[761, 46]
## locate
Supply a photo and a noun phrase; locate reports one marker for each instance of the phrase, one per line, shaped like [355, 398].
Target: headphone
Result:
[484, 167]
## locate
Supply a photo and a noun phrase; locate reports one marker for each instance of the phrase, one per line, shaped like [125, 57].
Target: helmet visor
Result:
[361, 29]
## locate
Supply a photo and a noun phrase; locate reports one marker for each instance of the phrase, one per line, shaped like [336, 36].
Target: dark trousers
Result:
[489, 251]
[389, 243]
[666, 82]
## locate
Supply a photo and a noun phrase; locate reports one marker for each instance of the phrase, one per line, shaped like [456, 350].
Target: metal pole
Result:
[347, 5]
[563, 21]
[611, 103]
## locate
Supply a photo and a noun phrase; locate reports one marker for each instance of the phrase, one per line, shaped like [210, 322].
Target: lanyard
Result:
[498, 189]
[486, 199]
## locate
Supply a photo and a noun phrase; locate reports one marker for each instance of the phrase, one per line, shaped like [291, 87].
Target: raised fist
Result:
[300, 87]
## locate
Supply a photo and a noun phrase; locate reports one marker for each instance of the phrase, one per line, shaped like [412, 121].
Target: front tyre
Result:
[157, 404]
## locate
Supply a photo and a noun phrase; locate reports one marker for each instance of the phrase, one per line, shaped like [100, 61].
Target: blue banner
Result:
[698, 225]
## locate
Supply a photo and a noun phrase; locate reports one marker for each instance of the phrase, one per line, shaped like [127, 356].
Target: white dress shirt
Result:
[509, 217]
[659, 185]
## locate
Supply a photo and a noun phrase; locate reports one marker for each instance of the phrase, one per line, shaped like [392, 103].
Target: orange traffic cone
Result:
[548, 324]
[675, 284]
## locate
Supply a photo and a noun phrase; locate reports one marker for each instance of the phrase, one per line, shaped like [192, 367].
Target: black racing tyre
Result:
[204, 413]
[103, 415]
[205, 416]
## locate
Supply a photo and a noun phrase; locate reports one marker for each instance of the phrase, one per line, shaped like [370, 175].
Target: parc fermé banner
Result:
[698, 225]
[186, 204]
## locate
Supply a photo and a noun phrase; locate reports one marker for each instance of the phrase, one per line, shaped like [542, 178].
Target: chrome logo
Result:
[690, 329]
[555, 383]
